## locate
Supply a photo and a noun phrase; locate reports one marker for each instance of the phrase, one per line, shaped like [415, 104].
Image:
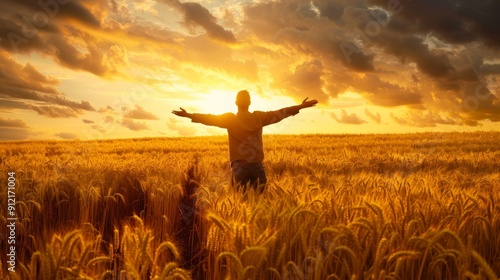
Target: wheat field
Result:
[410, 206]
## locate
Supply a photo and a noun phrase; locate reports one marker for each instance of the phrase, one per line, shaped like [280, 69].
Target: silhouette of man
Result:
[244, 129]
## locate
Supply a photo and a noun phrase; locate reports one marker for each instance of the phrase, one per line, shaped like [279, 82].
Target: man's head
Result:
[243, 100]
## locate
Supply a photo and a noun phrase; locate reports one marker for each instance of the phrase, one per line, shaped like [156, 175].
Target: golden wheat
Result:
[416, 206]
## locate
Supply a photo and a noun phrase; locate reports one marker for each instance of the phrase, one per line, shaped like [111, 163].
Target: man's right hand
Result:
[181, 113]
[307, 104]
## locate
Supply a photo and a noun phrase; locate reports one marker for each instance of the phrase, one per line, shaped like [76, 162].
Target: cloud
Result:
[12, 123]
[376, 118]
[14, 129]
[69, 56]
[62, 37]
[415, 78]
[146, 6]
[36, 76]
[27, 26]
[55, 111]
[197, 15]
[115, 58]
[295, 26]
[73, 10]
[353, 56]
[66, 135]
[200, 51]
[182, 130]
[140, 114]
[408, 56]
[429, 55]
[412, 48]
[347, 118]
[109, 119]
[87, 121]
[134, 125]
[478, 103]
[454, 22]
[305, 80]
[419, 119]
[386, 94]
[11, 133]
[23, 86]
[8, 104]
[98, 128]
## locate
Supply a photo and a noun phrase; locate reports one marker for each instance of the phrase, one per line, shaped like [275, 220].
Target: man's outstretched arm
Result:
[207, 119]
[278, 115]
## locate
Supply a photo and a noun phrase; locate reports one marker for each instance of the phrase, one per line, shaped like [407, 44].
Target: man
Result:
[244, 129]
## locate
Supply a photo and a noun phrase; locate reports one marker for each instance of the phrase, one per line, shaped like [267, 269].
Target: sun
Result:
[218, 102]
[223, 101]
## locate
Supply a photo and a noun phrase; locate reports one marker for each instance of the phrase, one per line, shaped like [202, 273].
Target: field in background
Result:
[419, 206]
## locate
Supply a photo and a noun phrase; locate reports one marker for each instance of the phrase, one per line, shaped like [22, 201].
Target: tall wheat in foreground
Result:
[419, 206]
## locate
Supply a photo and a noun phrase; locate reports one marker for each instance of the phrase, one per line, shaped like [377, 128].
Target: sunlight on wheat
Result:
[423, 206]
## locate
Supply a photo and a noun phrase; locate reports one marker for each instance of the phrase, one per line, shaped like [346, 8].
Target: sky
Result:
[98, 69]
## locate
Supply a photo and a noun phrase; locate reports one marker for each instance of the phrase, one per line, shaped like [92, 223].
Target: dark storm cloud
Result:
[490, 68]
[365, 35]
[197, 15]
[67, 9]
[15, 36]
[455, 22]
[412, 49]
[353, 57]
[479, 103]
[332, 10]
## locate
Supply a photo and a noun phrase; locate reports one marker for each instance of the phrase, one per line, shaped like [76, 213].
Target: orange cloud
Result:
[197, 15]
[14, 129]
[347, 118]
[25, 85]
[140, 113]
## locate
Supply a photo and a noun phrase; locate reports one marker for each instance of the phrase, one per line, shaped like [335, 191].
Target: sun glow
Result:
[223, 101]
[217, 102]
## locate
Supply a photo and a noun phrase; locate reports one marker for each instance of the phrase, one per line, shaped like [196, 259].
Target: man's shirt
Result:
[245, 130]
